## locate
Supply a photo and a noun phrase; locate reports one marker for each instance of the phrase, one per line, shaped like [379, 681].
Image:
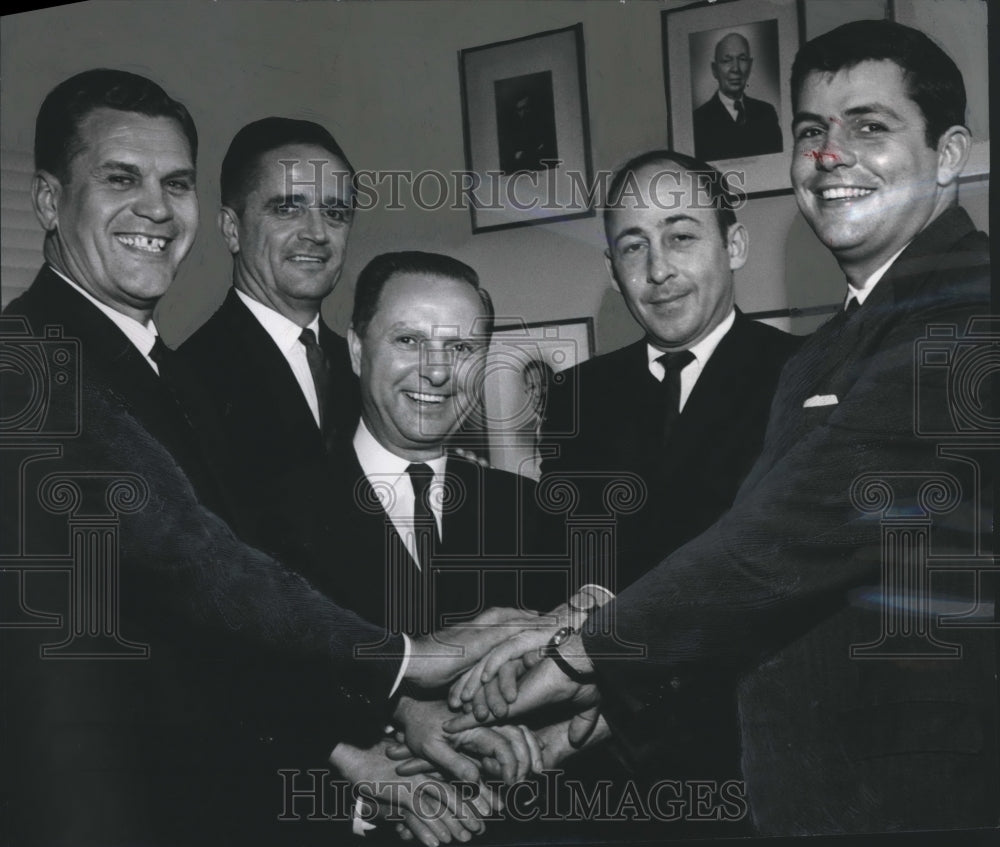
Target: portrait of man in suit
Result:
[277, 376]
[731, 124]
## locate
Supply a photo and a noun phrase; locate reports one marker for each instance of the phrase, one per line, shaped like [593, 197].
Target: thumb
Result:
[582, 725]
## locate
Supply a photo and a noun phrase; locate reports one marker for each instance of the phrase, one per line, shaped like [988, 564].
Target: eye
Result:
[465, 347]
[287, 209]
[631, 248]
[872, 128]
[179, 186]
[121, 180]
[682, 237]
[338, 214]
[808, 132]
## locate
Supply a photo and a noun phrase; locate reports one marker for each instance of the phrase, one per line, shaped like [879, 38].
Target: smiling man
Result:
[277, 375]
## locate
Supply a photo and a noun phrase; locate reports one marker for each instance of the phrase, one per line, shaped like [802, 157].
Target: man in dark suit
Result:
[730, 124]
[684, 409]
[169, 621]
[864, 621]
[277, 376]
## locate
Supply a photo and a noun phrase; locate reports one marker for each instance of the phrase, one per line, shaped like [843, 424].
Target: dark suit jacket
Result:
[718, 136]
[125, 744]
[788, 580]
[606, 416]
[490, 519]
[264, 415]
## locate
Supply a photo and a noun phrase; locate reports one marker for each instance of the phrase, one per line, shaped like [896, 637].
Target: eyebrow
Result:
[134, 170]
[853, 112]
[680, 217]
[328, 202]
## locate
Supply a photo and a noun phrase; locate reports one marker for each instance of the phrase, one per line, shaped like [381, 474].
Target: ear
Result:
[229, 226]
[738, 246]
[953, 148]
[611, 271]
[354, 346]
[46, 190]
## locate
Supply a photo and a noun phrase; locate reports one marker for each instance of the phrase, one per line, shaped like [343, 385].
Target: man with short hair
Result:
[133, 728]
[731, 124]
[852, 582]
[276, 374]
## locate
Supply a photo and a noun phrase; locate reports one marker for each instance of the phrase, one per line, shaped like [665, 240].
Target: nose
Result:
[436, 366]
[660, 266]
[836, 150]
[153, 203]
[314, 227]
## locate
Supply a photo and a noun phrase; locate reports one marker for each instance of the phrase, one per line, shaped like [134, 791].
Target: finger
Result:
[582, 725]
[520, 750]
[489, 742]
[460, 722]
[459, 766]
[404, 832]
[473, 679]
[494, 698]
[455, 692]
[398, 752]
[526, 641]
[507, 679]
[534, 748]
[480, 708]
[423, 833]
[414, 766]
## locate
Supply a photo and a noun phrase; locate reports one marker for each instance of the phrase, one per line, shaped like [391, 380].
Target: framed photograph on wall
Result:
[524, 361]
[527, 131]
[726, 67]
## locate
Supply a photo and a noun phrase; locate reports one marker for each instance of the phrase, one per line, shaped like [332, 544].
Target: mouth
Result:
[308, 259]
[426, 399]
[844, 192]
[669, 300]
[143, 243]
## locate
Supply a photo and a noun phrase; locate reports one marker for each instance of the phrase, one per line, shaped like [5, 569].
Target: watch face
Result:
[561, 635]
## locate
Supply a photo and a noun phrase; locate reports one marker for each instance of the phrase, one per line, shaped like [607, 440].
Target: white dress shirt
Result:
[142, 335]
[730, 105]
[861, 294]
[285, 334]
[702, 352]
[386, 473]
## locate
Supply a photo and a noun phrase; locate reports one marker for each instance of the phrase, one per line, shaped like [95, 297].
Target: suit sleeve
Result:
[793, 544]
[180, 561]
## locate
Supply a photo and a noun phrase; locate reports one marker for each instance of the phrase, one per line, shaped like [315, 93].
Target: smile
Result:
[314, 259]
[844, 193]
[419, 397]
[145, 243]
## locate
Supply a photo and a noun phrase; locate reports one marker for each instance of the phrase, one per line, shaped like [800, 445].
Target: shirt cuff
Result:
[601, 595]
[407, 650]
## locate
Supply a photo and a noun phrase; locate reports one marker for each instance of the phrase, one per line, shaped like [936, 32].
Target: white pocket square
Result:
[821, 400]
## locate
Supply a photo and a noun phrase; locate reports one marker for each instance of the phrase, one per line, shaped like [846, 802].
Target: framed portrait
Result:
[524, 362]
[527, 132]
[726, 67]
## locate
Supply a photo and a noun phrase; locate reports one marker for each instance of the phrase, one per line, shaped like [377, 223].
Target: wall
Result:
[383, 77]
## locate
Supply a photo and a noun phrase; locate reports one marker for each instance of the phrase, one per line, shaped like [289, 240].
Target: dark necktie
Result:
[741, 113]
[318, 367]
[852, 306]
[421, 476]
[160, 353]
[673, 364]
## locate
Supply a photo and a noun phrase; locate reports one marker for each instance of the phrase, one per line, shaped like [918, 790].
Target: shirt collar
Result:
[142, 335]
[284, 331]
[704, 349]
[375, 459]
[861, 294]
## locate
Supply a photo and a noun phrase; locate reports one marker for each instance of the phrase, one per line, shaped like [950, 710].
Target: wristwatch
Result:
[551, 650]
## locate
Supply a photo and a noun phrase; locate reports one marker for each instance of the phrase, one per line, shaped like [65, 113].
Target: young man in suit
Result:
[136, 727]
[730, 124]
[863, 621]
[685, 408]
[277, 376]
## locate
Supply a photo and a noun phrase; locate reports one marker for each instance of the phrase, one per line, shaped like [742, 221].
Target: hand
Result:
[561, 740]
[421, 722]
[469, 456]
[431, 810]
[438, 658]
[545, 684]
[510, 752]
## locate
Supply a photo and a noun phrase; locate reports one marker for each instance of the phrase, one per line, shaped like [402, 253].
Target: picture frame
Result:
[755, 159]
[514, 391]
[526, 130]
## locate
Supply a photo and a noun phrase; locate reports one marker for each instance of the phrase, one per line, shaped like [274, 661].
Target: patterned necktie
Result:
[319, 369]
[673, 364]
[741, 113]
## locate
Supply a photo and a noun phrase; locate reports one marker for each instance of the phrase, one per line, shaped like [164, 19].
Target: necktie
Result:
[852, 306]
[421, 476]
[673, 364]
[741, 113]
[318, 367]
[160, 353]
